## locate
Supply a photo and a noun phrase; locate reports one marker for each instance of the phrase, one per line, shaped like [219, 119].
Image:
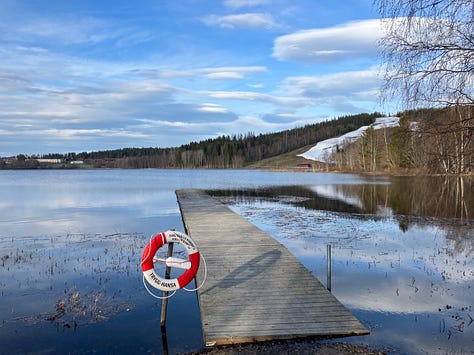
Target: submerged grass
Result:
[68, 280]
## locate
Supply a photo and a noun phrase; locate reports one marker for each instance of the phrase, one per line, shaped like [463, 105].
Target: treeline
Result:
[223, 152]
[429, 140]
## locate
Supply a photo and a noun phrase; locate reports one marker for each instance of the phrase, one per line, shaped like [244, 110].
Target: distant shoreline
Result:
[395, 172]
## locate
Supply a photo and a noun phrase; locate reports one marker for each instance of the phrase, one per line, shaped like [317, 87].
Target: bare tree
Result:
[447, 140]
[428, 48]
[369, 150]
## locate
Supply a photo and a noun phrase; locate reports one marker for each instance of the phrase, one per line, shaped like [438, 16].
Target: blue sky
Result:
[92, 75]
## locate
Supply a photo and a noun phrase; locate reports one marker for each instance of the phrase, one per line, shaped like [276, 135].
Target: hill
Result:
[286, 161]
[324, 151]
[418, 141]
[237, 151]
[426, 140]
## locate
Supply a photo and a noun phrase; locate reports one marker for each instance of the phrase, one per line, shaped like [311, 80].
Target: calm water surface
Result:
[71, 242]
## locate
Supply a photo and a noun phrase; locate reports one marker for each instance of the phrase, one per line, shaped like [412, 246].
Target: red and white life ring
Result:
[191, 267]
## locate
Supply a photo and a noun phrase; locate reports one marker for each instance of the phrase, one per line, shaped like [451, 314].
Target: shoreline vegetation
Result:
[426, 142]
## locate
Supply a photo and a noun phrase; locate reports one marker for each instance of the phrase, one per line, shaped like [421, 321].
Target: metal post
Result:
[164, 303]
[328, 267]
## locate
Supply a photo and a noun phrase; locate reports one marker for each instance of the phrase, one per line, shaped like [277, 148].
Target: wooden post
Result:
[164, 303]
[328, 267]
[164, 340]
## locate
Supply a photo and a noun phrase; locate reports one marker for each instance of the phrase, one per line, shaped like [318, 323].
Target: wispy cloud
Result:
[349, 83]
[236, 4]
[229, 72]
[348, 91]
[322, 45]
[235, 72]
[71, 30]
[260, 97]
[70, 134]
[247, 20]
[83, 76]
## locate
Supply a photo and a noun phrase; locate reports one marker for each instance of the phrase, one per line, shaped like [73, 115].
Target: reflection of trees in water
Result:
[440, 197]
[444, 202]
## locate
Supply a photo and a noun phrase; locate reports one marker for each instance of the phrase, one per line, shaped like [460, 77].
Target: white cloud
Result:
[350, 92]
[260, 97]
[248, 20]
[231, 72]
[236, 4]
[10, 82]
[224, 75]
[75, 76]
[188, 131]
[37, 50]
[240, 95]
[66, 134]
[321, 45]
[69, 30]
[355, 84]
[228, 72]
[212, 108]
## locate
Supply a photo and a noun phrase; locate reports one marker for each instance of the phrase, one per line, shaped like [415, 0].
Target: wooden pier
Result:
[255, 290]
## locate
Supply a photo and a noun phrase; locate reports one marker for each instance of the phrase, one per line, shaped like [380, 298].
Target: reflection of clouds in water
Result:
[415, 288]
[397, 293]
[334, 192]
[306, 232]
[64, 211]
[90, 221]
[411, 334]
[36, 263]
[102, 270]
[375, 254]
[347, 195]
[145, 201]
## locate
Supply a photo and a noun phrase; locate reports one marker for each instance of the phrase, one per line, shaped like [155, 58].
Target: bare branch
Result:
[428, 49]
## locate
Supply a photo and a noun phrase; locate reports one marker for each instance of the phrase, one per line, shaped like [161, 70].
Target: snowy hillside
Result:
[324, 149]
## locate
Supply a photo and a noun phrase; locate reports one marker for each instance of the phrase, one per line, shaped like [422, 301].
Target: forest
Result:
[434, 140]
[235, 151]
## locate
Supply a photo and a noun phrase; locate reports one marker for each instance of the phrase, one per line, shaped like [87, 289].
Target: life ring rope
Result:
[191, 266]
[203, 280]
[174, 262]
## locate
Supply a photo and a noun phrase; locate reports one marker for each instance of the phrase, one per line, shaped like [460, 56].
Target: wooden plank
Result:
[255, 289]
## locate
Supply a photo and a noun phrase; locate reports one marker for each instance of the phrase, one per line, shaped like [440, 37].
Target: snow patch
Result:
[324, 150]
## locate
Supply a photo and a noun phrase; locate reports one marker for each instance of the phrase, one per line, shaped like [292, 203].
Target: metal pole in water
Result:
[164, 303]
[328, 267]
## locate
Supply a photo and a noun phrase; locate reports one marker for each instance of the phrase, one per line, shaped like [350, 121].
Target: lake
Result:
[71, 243]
